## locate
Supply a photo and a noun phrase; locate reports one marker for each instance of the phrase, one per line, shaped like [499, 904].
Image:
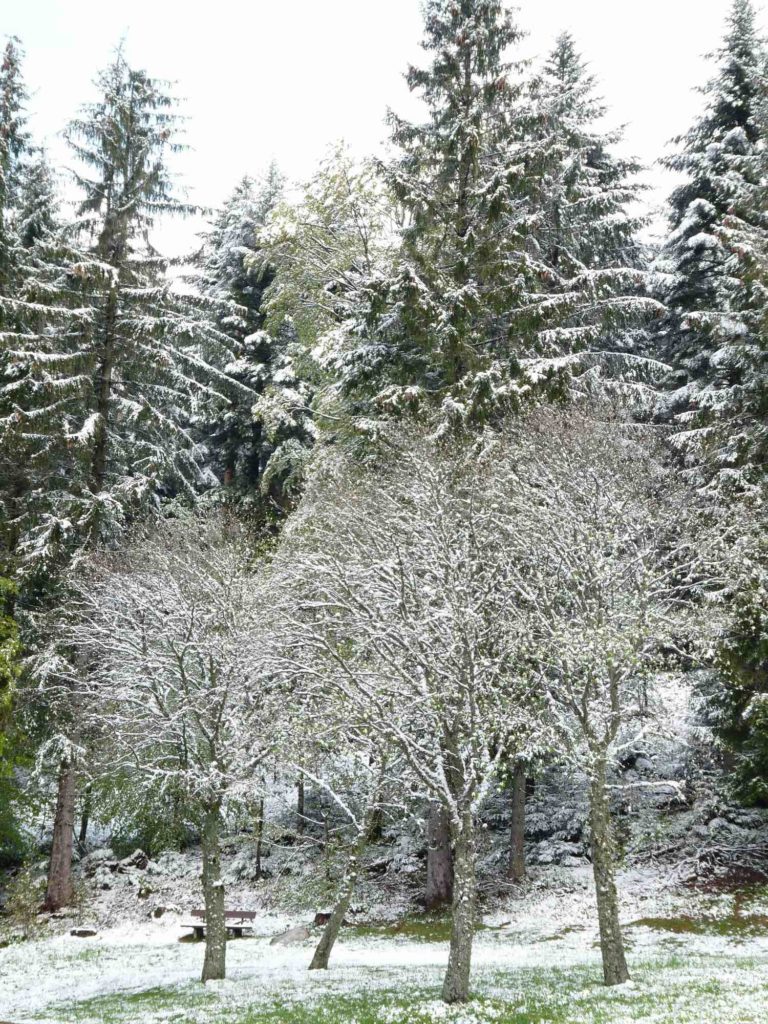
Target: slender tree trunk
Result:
[456, 983]
[85, 817]
[60, 887]
[376, 829]
[459, 355]
[300, 820]
[516, 870]
[615, 971]
[104, 392]
[214, 965]
[327, 844]
[439, 890]
[259, 835]
[332, 928]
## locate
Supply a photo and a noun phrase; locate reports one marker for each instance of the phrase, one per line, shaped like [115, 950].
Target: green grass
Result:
[88, 955]
[735, 926]
[415, 929]
[690, 989]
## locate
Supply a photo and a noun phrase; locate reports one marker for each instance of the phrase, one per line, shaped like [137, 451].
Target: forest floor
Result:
[697, 957]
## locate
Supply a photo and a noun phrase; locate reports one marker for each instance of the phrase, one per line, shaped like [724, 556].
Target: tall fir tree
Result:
[28, 227]
[35, 303]
[718, 160]
[716, 336]
[118, 366]
[14, 143]
[518, 249]
[233, 281]
[591, 302]
[726, 429]
[438, 317]
[235, 273]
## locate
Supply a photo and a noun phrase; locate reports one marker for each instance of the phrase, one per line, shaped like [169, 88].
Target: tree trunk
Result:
[259, 835]
[300, 820]
[60, 888]
[376, 830]
[331, 930]
[456, 983]
[104, 393]
[214, 965]
[439, 859]
[85, 817]
[516, 870]
[615, 971]
[327, 844]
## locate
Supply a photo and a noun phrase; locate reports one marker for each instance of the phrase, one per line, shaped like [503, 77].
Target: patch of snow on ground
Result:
[553, 927]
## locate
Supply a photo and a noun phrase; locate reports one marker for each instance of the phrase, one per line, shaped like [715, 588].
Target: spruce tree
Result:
[27, 213]
[234, 281]
[439, 318]
[518, 253]
[590, 300]
[118, 366]
[710, 156]
[34, 358]
[725, 432]
[14, 143]
[123, 142]
[235, 273]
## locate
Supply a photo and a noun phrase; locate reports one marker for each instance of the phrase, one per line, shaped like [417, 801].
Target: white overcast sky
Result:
[283, 79]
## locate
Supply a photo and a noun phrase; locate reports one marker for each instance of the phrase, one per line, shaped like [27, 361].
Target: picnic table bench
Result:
[237, 921]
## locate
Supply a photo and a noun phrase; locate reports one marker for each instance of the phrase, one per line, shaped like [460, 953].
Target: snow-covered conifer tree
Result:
[37, 201]
[518, 242]
[233, 280]
[710, 259]
[440, 315]
[116, 366]
[14, 142]
[589, 300]
[724, 435]
[261, 439]
[36, 291]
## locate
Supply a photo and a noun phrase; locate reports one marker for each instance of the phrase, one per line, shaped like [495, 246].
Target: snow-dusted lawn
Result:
[130, 979]
[539, 963]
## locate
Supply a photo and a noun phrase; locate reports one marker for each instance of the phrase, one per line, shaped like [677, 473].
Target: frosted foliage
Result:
[177, 703]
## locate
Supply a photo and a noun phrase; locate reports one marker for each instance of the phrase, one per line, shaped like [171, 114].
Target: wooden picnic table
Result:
[238, 922]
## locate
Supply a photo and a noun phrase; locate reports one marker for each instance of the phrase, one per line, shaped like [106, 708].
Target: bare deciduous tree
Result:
[390, 597]
[605, 577]
[166, 676]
